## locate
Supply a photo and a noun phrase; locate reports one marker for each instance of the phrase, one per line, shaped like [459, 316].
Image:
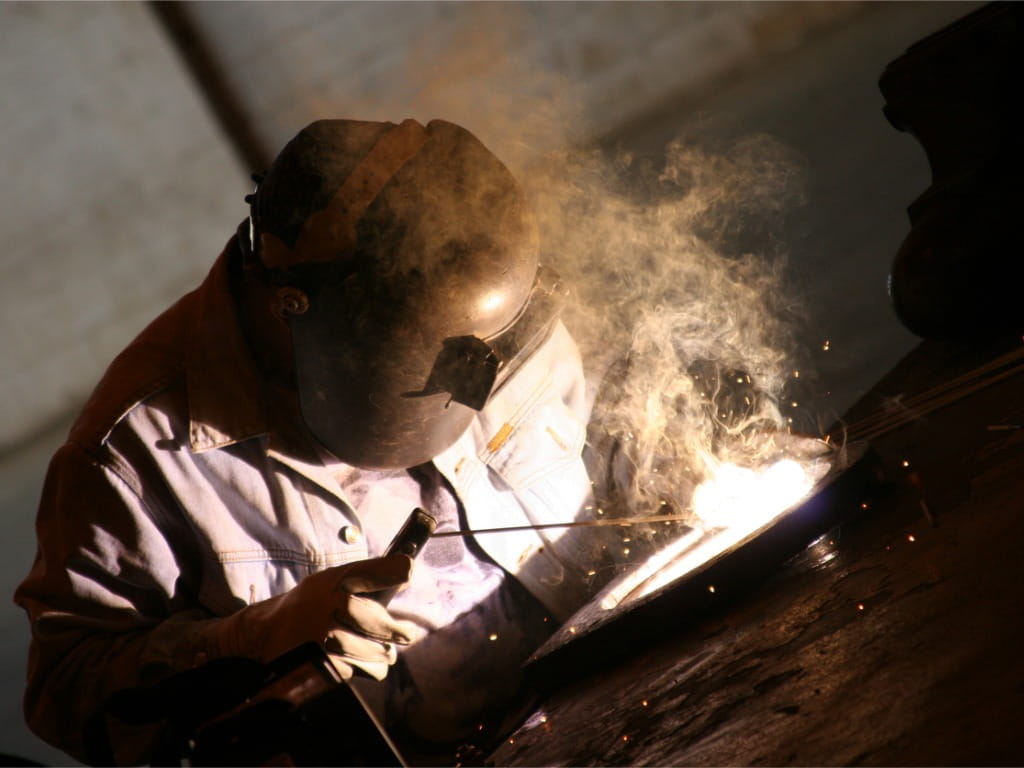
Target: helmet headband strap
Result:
[332, 230]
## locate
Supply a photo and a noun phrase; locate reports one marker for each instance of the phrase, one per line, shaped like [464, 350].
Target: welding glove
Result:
[334, 607]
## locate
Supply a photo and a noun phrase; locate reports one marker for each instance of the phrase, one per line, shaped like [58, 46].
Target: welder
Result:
[378, 335]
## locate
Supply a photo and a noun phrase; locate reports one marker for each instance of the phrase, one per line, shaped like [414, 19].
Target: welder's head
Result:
[406, 259]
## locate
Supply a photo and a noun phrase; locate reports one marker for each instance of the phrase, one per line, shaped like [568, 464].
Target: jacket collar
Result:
[226, 393]
[228, 399]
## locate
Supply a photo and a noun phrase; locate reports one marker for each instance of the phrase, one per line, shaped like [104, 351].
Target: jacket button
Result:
[349, 534]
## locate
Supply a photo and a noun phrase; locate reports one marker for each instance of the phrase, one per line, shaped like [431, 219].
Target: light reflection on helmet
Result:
[417, 254]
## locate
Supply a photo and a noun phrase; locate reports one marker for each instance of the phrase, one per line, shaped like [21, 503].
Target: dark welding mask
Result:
[412, 258]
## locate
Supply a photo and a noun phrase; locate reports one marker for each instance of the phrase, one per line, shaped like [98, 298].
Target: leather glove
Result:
[330, 607]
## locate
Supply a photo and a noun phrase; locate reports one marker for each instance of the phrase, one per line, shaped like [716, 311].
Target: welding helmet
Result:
[408, 259]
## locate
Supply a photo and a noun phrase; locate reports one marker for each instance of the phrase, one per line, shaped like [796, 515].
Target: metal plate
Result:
[596, 634]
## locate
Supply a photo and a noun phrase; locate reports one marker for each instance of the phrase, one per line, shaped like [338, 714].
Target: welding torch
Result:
[409, 540]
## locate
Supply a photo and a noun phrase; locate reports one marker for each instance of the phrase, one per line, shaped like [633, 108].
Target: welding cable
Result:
[928, 402]
[939, 393]
[946, 393]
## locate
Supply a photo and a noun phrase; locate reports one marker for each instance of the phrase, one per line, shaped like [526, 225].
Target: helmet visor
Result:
[384, 389]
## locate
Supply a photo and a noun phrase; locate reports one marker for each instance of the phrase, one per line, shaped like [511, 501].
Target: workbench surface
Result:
[897, 639]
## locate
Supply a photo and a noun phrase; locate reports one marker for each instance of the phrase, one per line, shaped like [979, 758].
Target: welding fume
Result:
[386, 331]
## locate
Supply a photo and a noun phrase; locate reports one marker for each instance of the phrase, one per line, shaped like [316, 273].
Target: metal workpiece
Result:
[892, 639]
[622, 618]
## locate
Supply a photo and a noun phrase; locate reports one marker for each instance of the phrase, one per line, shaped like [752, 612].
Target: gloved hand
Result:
[328, 607]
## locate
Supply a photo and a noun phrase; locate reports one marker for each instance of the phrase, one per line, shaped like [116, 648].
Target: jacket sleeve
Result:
[107, 598]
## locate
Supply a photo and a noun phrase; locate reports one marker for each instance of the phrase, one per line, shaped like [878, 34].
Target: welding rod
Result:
[620, 521]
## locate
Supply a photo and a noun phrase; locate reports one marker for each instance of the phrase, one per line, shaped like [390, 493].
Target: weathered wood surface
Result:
[894, 641]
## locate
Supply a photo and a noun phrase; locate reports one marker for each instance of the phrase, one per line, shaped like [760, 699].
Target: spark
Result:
[643, 703]
[711, 588]
[860, 606]
[796, 374]
[825, 347]
[911, 538]
[863, 505]
[493, 637]
[572, 630]
[905, 463]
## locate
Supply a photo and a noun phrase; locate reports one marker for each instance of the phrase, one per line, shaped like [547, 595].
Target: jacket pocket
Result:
[544, 444]
[242, 577]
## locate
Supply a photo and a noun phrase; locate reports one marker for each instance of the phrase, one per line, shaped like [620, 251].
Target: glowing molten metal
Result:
[733, 504]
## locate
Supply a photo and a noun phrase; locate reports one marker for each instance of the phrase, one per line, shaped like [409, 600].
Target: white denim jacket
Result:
[178, 498]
